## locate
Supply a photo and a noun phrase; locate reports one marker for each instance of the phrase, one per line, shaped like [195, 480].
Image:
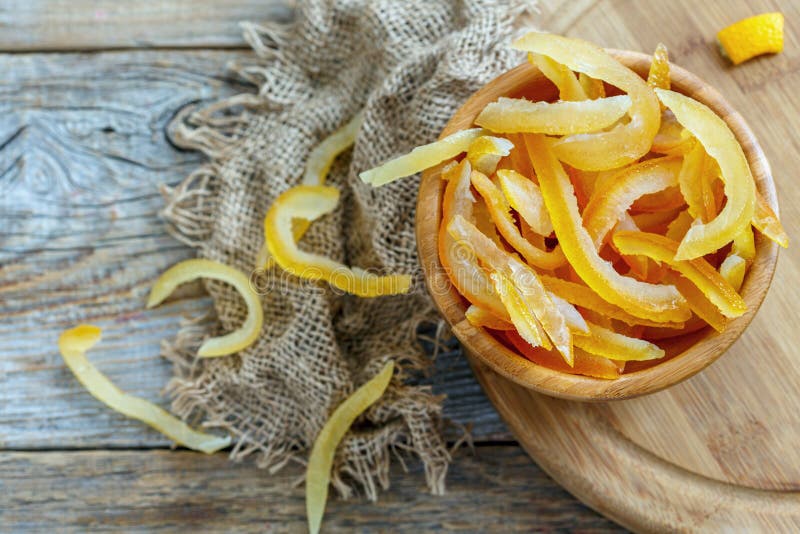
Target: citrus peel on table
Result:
[73, 345]
[751, 37]
[646, 194]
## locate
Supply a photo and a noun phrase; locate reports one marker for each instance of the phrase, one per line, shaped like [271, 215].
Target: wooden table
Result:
[89, 87]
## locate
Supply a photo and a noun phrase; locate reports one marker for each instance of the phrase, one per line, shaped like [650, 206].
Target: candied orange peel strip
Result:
[421, 158]
[733, 269]
[482, 317]
[659, 68]
[624, 143]
[608, 205]
[698, 270]
[73, 345]
[311, 202]
[569, 87]
[189, 270]
[524, 279]
[610, 344]
[517, 115]
[719, 143]
[486, 151]
[522, 317]
[649, 301]
[766, 221]
[320, 462]
[525, 197]
[700, 304]
[500, 212]
[591, 87]
[585, 363]
[458, 261]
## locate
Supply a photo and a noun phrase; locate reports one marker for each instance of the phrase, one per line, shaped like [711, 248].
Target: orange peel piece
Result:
[732, 270]
[719, 143]
[421, 158]
[524, 278]
[659, 68]
[189, 270]
[608, 205]
[522, 317]
[698, 270]
[610, 344]
[753, 36]
[672, 138]
[320, 462]
[517, 115]
[649, 301]
[700, 304]
[486, 151]
[624, 143]
[500, 211]
[744, 245]
[585, 363]
[525, 197]
[569, 88]
[311, 202]
[73, 345]
[458, 261]
[481, 317]
[766, 221]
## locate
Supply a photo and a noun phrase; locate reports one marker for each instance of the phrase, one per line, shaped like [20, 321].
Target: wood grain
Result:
[37, 25]
[498, 489]
[84, 148]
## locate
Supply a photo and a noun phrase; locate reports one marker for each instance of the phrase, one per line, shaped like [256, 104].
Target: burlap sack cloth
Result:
[410, 65]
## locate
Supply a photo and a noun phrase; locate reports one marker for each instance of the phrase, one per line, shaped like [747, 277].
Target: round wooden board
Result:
[719, 452]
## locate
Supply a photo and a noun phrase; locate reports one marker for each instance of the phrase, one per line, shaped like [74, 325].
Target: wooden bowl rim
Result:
[488, 350]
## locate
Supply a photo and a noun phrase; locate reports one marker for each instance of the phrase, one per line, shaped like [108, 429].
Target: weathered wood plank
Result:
[35, 25]
[499, 490]
[82, 151]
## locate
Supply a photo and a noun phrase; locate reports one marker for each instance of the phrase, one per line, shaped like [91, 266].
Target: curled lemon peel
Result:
[698, 270]
[624, 143]
[649, 301]
[753, 36]
[320, 462]
[73, 345]
[720, 144]
[421, 158]
[517, 115]
[311, 202]
[189, 270]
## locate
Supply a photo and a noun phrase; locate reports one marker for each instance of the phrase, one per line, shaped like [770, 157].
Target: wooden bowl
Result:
[686, 355]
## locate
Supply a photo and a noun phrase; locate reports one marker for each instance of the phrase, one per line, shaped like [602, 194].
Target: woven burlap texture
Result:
[409, 65]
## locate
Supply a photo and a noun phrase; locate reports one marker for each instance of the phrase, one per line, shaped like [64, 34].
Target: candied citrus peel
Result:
[311, 202]
[320, 462]
[517, 115]
[585, 363]
[499, 210]
[524, 279]
[624, 143]
[569, 87]
[753, 36]
[482, 317]
[592, 87]
[766, 221]
[73, 345]
[525, 197]
[522, 317]
[189, 270]
[719, 143]
[700, 305]
[697, 270]
[659, 68]
[649, 301]
[608, 205]
[733, 269]
[486, 151]
[421, 158]
[458, 261]
[610, 344]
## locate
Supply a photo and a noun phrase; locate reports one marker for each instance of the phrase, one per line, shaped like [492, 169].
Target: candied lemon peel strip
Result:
[422, 157]
[311, 202]
[585, 363]
[766, 221]
[482, 317]
[733, 269]
[486, 151]
[189, 270]
[320, 462]
[649, 301]
[624, 143]
[610, 344]
[719, 143]
[753, 36]
[524, 196]
[522, 317]
[698, 270]
[569, 87]
[659, 68]
[73, 345]
[517, 115]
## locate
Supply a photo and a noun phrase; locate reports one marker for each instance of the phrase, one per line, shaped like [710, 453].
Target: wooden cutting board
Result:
[720, 451]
